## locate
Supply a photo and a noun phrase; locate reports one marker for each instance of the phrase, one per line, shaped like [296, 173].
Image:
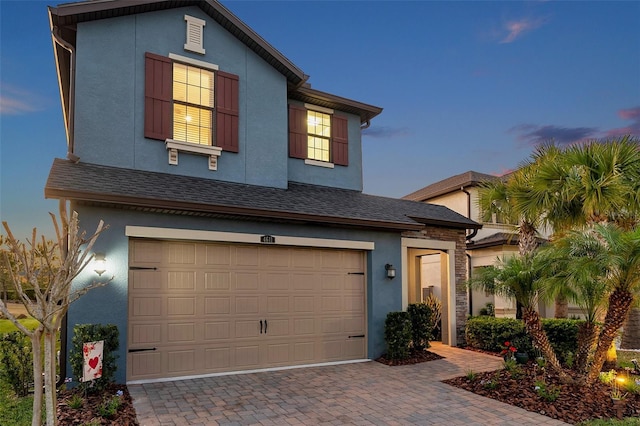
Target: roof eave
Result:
[165, 204]
[307, 94]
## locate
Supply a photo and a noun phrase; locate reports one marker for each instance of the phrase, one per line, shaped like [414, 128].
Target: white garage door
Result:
[198, 308]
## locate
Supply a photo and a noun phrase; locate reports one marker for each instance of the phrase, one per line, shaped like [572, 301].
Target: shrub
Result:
[90, 333]
[488, 310]
[397, 334]
[16, 362]
[436, 315]
[563, 336]
[421, 325]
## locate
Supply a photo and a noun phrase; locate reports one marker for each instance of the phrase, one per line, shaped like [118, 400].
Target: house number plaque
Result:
[270, 239]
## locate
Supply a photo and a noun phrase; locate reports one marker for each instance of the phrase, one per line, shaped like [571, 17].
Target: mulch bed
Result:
[573, 405]
[88, 413]
[415, 357]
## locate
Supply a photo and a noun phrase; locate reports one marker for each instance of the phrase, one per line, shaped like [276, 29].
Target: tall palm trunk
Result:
[527, 241]
[533, 326]
[631, 332]
[619, 305]
[587, 336]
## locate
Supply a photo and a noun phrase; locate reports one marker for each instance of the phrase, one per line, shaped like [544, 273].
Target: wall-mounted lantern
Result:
[99, 263]
[391, 271]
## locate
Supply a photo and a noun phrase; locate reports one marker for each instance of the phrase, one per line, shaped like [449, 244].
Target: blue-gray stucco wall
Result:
[108, 305]
[109, 104]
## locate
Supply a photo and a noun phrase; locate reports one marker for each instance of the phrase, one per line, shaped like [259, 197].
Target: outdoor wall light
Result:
[99, 263]
[391, 271]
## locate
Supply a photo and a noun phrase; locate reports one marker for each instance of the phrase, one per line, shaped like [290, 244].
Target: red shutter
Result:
[158, 73]
[227, 107]
[340, 140]
[297, 132]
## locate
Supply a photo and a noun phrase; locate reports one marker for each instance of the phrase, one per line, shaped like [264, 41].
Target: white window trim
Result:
[318, 108]
[319, 163]
[238, 237]
[173, 147]
[192, 44]
[190, 61]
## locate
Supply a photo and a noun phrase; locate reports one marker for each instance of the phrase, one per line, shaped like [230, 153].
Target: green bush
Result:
[563, 336]
[435, 306]
[421, 325]
[90, 333]
[16, 362]
[489, 334]
[397, 334]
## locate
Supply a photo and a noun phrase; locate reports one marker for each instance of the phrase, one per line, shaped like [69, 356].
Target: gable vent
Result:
[195, 30]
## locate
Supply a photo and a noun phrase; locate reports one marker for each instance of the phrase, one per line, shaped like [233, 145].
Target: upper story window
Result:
[319, 128]
[182, 105]
[193, 104]
[318, 136]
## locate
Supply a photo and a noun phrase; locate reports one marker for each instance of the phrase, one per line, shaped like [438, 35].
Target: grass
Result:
[6, 326]
[13, 410]
[629, 421]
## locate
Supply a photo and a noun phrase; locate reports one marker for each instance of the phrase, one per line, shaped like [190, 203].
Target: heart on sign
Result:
[93, 362]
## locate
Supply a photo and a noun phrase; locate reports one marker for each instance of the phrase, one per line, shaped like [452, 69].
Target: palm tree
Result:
[518, 277]
[577, 265]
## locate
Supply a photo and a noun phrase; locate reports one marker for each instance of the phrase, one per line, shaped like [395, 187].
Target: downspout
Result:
[72, 92]
[467, 238]
[62, 358]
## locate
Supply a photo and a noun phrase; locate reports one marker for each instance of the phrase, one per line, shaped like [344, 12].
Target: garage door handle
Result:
[260, 326]
[142, 350]
[265, 326]
[357, 335]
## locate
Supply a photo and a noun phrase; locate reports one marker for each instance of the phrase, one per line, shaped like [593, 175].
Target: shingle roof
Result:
[499, 239]
[300, 202]
[453, 183]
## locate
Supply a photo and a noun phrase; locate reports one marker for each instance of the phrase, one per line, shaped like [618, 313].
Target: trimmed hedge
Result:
[90, 333]
[397, 334]
[489, 334]
[16, 362]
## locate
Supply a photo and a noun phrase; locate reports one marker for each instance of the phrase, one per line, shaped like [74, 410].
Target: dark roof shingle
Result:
[453, 183]
[299, 202]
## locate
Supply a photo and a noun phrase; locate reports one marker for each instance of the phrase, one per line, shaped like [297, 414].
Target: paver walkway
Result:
[366, 393]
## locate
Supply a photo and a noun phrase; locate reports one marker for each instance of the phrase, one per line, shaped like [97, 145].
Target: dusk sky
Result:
[464, 85]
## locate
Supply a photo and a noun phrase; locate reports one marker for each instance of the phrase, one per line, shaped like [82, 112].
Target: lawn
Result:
[13, 410]
[6, 326]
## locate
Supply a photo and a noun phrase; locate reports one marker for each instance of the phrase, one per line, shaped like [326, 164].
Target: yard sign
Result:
[92, 352]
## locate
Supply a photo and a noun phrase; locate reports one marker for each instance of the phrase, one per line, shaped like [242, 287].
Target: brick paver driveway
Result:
[366, 393]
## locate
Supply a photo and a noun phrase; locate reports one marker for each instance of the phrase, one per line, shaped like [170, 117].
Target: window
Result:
[318, 136]
[181, 104]
[319, 130]
[192, 104]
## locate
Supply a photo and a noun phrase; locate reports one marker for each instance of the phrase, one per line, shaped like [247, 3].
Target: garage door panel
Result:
[181, 332]
[181, 361]
[217, 305]
[181, 306]
[145, 364]
[204, 317]
[249, 328]
[145, 280]
[217, 281]
[217, 330]
[181, 253]
[181, 280]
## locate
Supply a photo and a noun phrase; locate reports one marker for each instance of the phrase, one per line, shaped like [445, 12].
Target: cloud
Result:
[515, 29]
[532, 134]
[15, 101]
[386, 132]
[630, 114]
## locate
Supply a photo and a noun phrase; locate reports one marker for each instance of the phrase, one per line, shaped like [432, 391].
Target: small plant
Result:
[509, 351]
[471, 375]
[397, 334]
[109, 407]
[512, 367]
[493, 383]
[632, 387]
[608, 377]
[568, 359]
[488, 310]
[76, 401]
[541, 362]
[548, 393]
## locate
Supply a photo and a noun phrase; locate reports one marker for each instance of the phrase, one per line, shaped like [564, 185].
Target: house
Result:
[497, 239]
[240, 238]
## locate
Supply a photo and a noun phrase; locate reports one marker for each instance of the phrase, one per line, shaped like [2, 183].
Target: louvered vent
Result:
[195, 31]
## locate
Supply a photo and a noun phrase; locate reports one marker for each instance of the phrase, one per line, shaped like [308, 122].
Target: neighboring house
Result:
[239, 235]
[497, 238]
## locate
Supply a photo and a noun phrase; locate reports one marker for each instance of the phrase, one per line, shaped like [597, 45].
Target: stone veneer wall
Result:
[457, 235]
